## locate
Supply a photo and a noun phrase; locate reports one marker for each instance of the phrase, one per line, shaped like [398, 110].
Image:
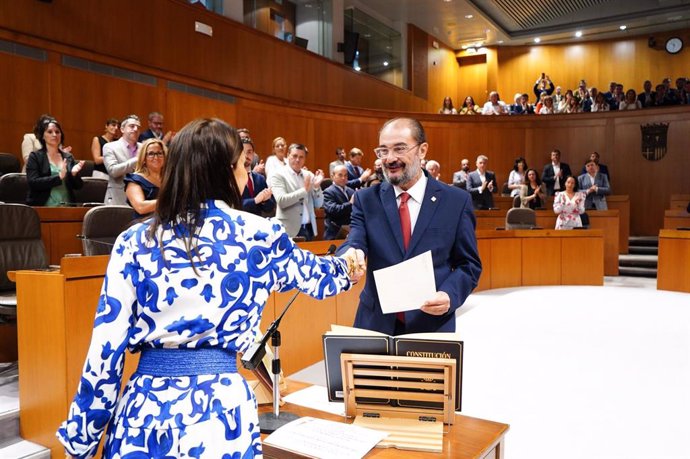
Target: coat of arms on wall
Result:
[654, 141]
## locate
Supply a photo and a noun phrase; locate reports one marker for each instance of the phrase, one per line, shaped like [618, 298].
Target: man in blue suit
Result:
[436, 217]
[337, 203]
[257, 197]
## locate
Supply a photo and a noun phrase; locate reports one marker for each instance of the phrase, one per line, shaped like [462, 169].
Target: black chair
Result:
[325, 183]
[584, 219]
[520, 218]
[8, 164]
[92, 192]
[87, 168]
[102, 225]
[14, 188]
[21, 247]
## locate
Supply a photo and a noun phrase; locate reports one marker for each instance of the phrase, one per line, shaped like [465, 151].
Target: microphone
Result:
[252, 357]
[95, 241]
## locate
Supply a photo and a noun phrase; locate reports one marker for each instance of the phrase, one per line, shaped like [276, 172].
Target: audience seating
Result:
[87, 168]
[8, 164]
[14, 188]
[93, 191]
[519, 218]
[101, 227]
[21, 247]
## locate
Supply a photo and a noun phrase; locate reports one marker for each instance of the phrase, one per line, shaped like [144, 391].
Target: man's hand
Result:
[307, 180]
[260, 168]
[438, 305]
[356, 264]
[263, 195]
[490, 186]
[365, 175]
[318, 178]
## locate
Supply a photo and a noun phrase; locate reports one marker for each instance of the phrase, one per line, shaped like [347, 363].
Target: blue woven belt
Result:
[187, 362]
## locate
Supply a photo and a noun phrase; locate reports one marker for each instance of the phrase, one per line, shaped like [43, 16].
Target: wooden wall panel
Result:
[472, 77]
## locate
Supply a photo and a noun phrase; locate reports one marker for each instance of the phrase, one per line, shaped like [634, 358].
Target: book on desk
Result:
[342, 339]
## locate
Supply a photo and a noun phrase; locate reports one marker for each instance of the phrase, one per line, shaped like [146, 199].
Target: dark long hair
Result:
[199, 167]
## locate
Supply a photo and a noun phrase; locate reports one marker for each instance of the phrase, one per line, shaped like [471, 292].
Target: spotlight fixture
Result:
[578, 34]
[623, 27]
[537, 40]
[385, 63]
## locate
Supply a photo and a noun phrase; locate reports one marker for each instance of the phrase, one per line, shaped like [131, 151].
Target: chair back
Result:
[93, 191]
[517, 201]
[519, 218]
[21, 246]
[8, 164]
[102, 225]
[14, 188]
[87, 168]
[325, 183]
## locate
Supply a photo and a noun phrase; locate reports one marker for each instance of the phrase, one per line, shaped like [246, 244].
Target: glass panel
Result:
[372, 47]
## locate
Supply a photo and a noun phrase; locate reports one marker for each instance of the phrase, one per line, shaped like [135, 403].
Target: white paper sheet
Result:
[407, 285]
[319, 438]
[315, 397]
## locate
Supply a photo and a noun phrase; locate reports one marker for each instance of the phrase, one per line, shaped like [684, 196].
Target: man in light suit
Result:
[555, 173]
[596, 185]
[439, 218]
[120, 158]
[337, 203]
[481, 184]
[297, 192]
[257, 197]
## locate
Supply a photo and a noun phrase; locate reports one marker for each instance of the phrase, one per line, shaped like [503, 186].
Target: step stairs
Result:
[642, 257]
[12, 446]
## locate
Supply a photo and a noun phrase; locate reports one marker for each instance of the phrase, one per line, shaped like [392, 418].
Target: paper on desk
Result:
[315, 397]
[407, 285]
[319, 438]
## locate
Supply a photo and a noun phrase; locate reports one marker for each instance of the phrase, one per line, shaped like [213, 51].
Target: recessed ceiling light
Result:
[385, 63]
[578, 34]
[537, 40]
[468, 16]
[623, 27]
[500, 42]
[447, 1]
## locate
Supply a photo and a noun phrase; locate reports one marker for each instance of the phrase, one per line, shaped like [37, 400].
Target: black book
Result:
[351, 340]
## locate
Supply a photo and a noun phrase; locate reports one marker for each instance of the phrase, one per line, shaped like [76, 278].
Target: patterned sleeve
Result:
[293, 267]
[99, 387]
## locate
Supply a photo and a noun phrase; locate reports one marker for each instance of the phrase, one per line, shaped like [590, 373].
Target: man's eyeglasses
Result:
[154, 154]
[398, 150]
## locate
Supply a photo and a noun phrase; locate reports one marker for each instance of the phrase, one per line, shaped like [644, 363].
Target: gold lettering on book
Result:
[433, 355]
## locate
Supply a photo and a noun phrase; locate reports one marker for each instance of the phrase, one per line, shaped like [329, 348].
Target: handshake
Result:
[356, 264]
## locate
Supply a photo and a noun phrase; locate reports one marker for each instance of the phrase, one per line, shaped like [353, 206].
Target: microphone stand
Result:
[270, 422]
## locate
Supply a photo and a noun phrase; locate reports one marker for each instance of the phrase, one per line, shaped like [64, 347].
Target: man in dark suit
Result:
[155, 129]
[356, 175]
[555, 173]
[482, 184]
[337, 203]
[647, 96]
[257, 198]
[405, 216]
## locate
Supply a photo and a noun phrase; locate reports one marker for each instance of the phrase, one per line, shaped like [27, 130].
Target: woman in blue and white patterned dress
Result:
[187, 289]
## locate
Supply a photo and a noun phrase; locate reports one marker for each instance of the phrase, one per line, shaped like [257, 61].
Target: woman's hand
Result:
[356, 264]
[77, 168]
[63, 169]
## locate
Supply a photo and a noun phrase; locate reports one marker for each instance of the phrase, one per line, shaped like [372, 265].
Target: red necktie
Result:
[250, 185]
[406, 227]
[405, 224]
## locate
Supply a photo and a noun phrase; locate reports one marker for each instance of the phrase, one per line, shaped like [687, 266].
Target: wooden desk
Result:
[676, 218]
[56, 310]
[606, 220]
[468, 438]
[673, 272]
[59, 228]
[679, 201]
[540, 257]
[621, 203]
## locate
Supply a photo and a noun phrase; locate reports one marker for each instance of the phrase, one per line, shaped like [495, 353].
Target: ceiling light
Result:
[537, 40]
[500, 42]
[358, 68]
[623, 27]
[578, 34]
[468, 16]
[385, 63]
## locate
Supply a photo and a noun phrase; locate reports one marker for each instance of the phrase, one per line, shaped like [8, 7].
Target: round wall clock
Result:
[674, 45]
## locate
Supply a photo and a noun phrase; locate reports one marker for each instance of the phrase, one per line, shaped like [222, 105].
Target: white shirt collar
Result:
[417, 190]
